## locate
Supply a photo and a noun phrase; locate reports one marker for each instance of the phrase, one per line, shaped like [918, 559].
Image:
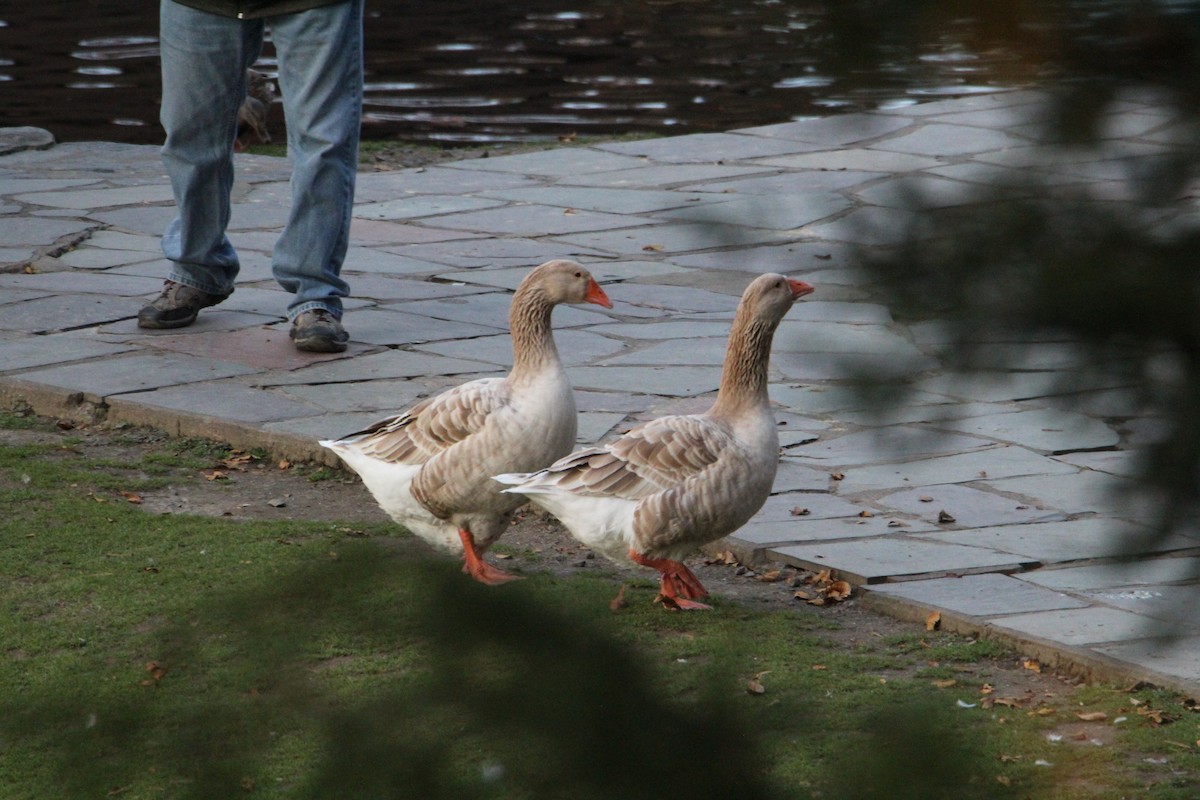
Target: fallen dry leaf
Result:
[1007, 759]
[945, 683]
[1003, 780]
[837, 476]
[826, 589]
[237, 460]
[838, 590]
[132, 497]
[567, 137]
[933, 621]
[865, 513]
[771, 576]
[1031, 665]
[819, 667]
[800, 512]
[1155, 716]
[1091, 716]
[157, 672]
[216, 474]
[653, 248]
[945, 516]
[926, 499]
[755, 685]
[284, 464]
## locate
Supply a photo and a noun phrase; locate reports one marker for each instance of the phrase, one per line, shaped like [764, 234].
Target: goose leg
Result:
[678, 586]
[477, 568]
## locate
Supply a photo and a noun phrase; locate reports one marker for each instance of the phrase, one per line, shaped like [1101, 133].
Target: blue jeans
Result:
[204, 62]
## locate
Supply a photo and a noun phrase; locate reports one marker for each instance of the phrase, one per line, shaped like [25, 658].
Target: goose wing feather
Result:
[433, 425]
[649, 459]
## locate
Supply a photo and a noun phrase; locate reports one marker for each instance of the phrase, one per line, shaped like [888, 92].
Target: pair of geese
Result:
[455, 467]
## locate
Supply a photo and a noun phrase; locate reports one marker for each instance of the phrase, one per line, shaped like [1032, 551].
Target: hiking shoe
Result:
[176, 306]
[318, 331]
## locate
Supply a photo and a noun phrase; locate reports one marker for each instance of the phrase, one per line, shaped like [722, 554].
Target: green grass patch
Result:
[168, 656]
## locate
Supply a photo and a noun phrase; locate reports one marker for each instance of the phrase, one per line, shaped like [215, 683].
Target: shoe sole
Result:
[319, 345]
[161, 324]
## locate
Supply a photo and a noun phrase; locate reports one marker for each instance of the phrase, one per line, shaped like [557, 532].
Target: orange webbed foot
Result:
[477, 568]
[679, 587]
[681, 604]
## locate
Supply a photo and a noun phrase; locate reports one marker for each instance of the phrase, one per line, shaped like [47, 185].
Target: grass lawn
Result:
[168, 656]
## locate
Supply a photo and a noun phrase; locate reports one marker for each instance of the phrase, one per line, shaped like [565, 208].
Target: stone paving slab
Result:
[1172, 603]
[133, 373]
[1082, 493]
[986, 595]
[894, 558]
[372, 366]
[1174, 656]
[39, 231]
[1117, 574]
[1024, 462]
[44, 351]
[1041, 429]
[654, 176]
[887, 445]
[421, 206]
[832, 131]
[967, 507]
[991, 462]
[1087, 626]
[611, 201]
[575, 348]
[222, 400]
[701, 148]
[1065, 542]
[64, 312]
[492, 310]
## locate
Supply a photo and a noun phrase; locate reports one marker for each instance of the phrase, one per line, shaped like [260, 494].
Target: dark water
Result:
[498, 71]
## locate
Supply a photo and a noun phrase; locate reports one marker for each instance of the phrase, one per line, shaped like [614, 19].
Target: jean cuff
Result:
[178, 276]
[335, 312]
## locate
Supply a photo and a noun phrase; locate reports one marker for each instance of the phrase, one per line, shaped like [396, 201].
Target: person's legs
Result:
[204, 62]
[320, 77]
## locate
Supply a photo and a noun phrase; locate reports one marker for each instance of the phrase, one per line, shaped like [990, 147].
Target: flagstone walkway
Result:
[985, 499]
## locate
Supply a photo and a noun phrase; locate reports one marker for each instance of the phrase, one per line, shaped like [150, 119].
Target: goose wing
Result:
[433, 425]
[651, 458]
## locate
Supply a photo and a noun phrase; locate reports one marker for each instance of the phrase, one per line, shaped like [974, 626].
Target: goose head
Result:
[772, 294]
[564, 281]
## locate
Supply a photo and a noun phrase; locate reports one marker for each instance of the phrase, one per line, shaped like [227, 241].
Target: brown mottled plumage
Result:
[430, 467]
[677, 482]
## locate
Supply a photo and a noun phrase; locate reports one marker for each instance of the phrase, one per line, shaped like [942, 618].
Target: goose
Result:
[677, 482]
[430, 467]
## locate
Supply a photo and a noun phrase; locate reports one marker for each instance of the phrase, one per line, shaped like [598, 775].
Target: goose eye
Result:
[578, 274]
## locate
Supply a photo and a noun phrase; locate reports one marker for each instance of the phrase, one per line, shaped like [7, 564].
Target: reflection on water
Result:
[492, 71]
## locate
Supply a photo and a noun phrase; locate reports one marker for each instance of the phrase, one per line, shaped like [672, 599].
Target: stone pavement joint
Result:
[981, 497]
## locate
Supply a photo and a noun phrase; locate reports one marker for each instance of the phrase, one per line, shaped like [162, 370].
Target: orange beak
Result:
[799, 289]
[596, 295]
